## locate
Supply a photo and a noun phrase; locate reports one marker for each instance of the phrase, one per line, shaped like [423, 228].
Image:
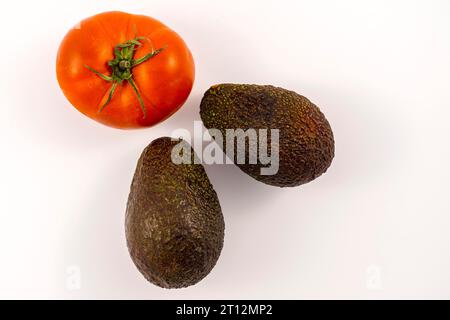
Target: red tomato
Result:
[125, 71]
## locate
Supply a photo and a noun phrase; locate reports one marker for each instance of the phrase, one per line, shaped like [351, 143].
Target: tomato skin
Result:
[165, 81]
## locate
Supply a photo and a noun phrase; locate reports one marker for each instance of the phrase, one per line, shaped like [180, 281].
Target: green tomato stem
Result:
[110, 95]
[122, 66]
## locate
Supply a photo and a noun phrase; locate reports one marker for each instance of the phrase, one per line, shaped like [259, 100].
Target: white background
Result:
[375, 226]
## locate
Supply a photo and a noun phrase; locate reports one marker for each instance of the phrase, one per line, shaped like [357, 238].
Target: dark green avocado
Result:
[174, 222]
[306, 142]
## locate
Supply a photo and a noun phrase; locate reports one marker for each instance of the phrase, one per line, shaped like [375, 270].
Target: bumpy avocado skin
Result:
[174, 222]
[306, 142]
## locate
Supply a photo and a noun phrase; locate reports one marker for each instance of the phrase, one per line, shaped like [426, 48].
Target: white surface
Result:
[375, 226]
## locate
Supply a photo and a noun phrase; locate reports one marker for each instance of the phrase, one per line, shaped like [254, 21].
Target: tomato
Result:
[125, 71]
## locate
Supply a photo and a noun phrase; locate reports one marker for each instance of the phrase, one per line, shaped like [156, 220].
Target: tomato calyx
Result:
[122, 66]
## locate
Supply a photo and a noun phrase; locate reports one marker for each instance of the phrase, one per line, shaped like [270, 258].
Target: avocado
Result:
[305, 139]
[174, 222]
